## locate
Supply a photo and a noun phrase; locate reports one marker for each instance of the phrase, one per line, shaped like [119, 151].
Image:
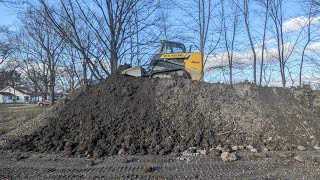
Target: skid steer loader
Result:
[171, 61]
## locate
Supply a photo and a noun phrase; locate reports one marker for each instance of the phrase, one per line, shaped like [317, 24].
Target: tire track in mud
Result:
[163, 167]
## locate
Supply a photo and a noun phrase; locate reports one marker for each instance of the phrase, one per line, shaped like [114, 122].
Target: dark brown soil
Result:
[162, 116]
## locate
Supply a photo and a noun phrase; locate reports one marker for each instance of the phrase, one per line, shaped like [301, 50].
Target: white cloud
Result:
[270, 41]
[241, 59]
[298, 23]
[314, 46]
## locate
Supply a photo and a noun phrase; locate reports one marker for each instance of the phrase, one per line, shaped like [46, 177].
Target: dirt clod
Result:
[265, 150]
[19, 157]
[254, 150]
[300, 159]
[214, 152]
[202, 151]
[228, 157]
[301, 148]
[149, 169]
[249, 147]
[316, 147]
[90, 163]
[260, 155]
[235, 148]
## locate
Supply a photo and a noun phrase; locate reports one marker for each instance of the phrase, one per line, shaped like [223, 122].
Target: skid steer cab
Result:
[171, 61]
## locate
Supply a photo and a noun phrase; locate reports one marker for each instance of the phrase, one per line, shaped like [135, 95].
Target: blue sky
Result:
[292, 10]
[293, 14]
[7, 16]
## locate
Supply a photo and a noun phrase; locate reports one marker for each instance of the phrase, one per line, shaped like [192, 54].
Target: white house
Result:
[19, 94]
[23, 94]
[6, 97]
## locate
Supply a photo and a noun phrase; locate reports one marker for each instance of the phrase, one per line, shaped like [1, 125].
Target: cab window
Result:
[172, 48]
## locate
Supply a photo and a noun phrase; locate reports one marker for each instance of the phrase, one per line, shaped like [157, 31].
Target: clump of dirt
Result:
[160, 116]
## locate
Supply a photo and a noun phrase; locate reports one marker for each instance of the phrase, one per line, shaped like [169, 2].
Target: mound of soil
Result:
[160, 116]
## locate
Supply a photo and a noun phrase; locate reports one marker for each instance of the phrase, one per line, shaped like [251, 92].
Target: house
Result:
[23, 94]
[18, 95]
[6, 97]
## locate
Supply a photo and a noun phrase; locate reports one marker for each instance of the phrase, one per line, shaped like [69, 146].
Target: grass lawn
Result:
[15, 115]
[11, 105]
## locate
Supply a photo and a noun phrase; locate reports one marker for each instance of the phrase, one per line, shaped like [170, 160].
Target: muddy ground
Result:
[278, 165]
[162, 116]
[129, 127]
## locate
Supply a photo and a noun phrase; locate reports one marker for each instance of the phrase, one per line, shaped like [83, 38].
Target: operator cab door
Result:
[171, 56]
[172, 51]
[168, 47]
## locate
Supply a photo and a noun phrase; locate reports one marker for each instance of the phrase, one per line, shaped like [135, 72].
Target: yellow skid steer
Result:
[172, 61]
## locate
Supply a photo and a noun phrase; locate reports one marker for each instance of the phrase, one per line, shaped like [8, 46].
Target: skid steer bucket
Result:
[136, 71]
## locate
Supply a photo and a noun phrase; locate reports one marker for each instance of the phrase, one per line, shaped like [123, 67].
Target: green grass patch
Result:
[12, 116]
[12, 105]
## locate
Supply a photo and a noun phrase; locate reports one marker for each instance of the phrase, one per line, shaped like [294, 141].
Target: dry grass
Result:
[15, 115]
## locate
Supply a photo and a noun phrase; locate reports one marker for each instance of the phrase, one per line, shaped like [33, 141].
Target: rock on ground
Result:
[228, 157]
[302, 148]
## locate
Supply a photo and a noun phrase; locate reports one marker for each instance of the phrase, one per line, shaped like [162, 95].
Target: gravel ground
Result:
[278, 165]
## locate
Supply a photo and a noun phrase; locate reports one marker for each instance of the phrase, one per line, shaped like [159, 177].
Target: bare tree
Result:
[68, 76]
[246, 20]
[31, 55]
[276, 14]
[107, 23]
[265, 4]
[315, 2]
[229, 40]
[283, 51]
[119, 15]
[202, 16]
[121, 21]
[50, 45]
[67, 23]
[5, 48]
[312, 12]
[246, 14]
[204, 19]
[142, 34]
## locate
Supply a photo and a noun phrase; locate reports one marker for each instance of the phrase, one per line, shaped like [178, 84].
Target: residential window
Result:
[10, 97]
[17, 97]
[26, 98]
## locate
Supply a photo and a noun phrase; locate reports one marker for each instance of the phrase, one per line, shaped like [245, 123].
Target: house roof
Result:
[21, 89]
[27, 91]
[6, 94]
[24, 90]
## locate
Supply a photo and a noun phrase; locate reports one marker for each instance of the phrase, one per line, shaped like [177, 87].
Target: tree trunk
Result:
[84, 66]
[301, 64]
[283, 77]
[52, 85]
[46, 90]
[246, 16]
[230, 75]
[137, 35]
[264, 41]
[304, 50]
[113, 57]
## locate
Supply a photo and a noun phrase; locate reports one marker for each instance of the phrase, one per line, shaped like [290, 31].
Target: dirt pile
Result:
[161, 116]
